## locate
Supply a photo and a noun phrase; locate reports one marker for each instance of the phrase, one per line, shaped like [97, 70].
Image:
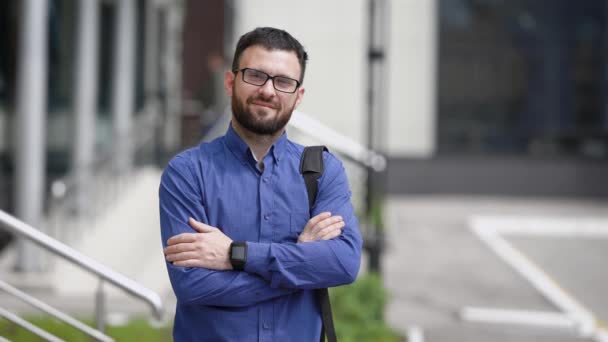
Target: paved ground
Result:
[434, 267]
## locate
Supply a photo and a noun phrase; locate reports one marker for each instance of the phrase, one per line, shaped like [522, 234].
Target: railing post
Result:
[100, 307]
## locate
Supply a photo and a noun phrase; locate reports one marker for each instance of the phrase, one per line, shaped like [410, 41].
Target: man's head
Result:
[265, 80]
[271, 39]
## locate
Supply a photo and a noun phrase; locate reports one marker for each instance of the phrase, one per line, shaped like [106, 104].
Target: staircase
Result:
[125, 237]
[124, 260]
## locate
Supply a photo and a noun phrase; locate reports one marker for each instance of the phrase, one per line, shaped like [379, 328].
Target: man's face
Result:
[263, 110]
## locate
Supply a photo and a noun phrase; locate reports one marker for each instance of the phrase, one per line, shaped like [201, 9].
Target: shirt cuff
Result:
[258, 259]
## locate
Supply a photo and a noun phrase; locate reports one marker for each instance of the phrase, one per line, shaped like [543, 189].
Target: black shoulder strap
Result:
[311, 168]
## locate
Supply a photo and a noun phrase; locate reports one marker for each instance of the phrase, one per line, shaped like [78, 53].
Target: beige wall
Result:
[412, 62]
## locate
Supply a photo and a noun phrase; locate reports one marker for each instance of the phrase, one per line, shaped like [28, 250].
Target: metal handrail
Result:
[98, 335]
[128, 285]
[338, 142]
[29, 326]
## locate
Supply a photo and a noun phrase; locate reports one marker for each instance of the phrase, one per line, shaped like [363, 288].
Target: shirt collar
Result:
[238, 146]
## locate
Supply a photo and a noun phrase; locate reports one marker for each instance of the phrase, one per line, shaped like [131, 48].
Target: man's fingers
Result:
[180, 247]
[331, 231]
[187, 263]
[316, 219]
[199, 226]
[181, 238]
[173, 257]
[331, 235]
[326, 223]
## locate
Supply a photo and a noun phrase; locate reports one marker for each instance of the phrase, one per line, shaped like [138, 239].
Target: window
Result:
[523, 77]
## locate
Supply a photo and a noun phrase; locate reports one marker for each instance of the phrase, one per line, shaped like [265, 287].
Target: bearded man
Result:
[244, 250]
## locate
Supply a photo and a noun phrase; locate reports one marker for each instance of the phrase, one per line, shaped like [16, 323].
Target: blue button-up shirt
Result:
[221, 184]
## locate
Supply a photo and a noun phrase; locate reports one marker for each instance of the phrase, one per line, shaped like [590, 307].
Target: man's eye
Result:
[257, 76]
[283, 82]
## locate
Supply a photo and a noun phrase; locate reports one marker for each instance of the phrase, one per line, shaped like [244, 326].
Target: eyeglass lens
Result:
[259, 78]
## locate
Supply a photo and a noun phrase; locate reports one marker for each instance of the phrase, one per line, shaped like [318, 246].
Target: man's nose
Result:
[267, 89]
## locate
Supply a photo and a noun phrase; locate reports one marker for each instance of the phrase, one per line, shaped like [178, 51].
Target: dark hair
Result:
[271, 39]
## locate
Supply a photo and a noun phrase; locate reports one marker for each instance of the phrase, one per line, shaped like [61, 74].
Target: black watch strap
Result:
[238, 255]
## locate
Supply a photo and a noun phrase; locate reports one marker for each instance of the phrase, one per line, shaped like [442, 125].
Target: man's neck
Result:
[258, 144]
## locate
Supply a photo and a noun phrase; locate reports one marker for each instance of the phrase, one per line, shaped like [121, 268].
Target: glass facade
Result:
[523, 77]
[9, 11]
[61, 58]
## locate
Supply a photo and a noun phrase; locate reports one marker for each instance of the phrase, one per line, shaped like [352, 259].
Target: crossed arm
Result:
[327, 252]
[208, 248]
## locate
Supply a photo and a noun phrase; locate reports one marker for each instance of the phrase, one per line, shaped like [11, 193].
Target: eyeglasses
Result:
[259, 78]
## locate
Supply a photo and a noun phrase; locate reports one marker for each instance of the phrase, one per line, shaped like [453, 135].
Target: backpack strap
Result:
[311, 168]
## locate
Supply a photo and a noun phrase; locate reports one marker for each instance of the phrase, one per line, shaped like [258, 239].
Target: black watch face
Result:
[238, 253]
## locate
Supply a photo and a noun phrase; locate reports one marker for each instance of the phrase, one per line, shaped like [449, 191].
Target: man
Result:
[243, 194]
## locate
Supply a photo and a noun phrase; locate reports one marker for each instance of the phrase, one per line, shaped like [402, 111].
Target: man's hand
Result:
[322, 227]
[209, 248]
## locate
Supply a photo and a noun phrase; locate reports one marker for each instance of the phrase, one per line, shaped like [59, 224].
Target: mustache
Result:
[262, 101]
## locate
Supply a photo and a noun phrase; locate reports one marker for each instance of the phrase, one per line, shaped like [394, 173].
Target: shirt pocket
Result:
[297, 221]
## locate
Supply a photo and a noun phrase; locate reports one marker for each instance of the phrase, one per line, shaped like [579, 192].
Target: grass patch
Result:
[135, 330]
[358, 312]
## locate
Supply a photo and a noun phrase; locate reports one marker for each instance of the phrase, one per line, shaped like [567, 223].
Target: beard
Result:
[259, 123]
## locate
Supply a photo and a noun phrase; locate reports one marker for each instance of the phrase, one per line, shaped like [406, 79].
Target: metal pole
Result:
[30, 137]
[375, 93]
[123, 96]
[100, 307]
[85, 100]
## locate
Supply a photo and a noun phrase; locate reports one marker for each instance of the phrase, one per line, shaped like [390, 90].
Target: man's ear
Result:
[299, 96]
[229, 78]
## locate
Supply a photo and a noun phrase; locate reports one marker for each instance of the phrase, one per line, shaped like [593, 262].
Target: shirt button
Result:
[266, 217]
[266, 325]
[265, 179]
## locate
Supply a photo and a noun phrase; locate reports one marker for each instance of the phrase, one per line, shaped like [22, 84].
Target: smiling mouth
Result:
[263, 104]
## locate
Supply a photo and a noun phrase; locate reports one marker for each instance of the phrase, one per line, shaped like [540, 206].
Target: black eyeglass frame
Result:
[268, 77]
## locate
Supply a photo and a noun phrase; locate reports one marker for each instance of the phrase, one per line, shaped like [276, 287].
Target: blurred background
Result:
[444, 112]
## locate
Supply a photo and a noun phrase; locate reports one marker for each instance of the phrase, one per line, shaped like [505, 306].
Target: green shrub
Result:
[359, 311]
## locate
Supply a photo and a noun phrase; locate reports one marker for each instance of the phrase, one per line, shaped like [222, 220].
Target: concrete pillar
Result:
[173, 80]
[152, 70]
[85, 99]
[152, 48]
[412, 82]
[123, 96]
[31, 116]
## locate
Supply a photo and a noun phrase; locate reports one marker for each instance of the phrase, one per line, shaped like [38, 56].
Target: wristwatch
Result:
[238, 255]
